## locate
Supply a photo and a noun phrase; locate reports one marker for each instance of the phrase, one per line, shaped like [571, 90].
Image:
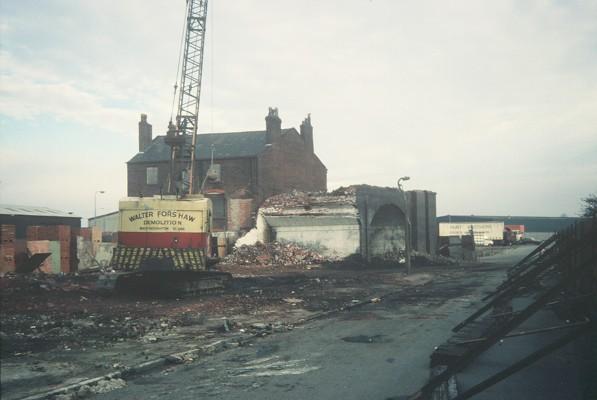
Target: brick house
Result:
[247, 168]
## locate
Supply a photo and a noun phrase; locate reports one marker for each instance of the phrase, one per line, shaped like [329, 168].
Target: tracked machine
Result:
[164, 241]
[163, 248]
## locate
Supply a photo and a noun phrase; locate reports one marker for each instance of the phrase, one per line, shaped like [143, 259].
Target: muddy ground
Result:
[61, 330]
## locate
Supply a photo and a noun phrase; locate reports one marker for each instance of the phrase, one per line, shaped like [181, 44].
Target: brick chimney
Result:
[145, 133]
[307, 133]
[273, 126]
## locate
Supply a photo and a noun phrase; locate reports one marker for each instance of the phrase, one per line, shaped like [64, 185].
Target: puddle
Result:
[361, 316]
[366, 339]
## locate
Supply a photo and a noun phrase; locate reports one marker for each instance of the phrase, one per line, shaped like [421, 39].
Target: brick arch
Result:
[381, 210]
[387, 233]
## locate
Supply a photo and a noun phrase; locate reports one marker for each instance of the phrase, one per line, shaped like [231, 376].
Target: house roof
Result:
[10, 209]
[226, 145]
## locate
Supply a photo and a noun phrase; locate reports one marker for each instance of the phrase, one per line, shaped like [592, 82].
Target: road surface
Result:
[374, 352]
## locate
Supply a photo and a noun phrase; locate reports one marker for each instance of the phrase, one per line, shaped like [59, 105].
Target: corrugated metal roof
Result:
[10, 209]
[226, 145]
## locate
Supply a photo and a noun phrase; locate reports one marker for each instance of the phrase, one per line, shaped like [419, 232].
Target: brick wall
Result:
[288, 164]
[240, 212]
[137, 179]
[240, 173]
[237, 173]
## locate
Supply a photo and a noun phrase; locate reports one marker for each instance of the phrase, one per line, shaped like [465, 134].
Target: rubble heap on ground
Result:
[275, 253]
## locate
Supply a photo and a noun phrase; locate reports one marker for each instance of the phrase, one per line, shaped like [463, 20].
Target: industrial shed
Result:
[106, 222]
[537, 227]
[23, 216]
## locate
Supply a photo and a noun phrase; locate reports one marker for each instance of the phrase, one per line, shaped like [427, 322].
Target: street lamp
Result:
[408, 227]
[95, 202]
[404, 178]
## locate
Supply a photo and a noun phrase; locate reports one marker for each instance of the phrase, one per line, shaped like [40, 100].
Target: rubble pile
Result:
[274, 253]
[12, 283]
[285, 200]
[37, 332]
[347, 191]
[41, 311]
[396, 255]
[308, 202]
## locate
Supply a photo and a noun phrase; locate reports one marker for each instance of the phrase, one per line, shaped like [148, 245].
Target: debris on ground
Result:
[54, 325]
[292, 300]
[424, 259]
[275, 253]
[107, 385]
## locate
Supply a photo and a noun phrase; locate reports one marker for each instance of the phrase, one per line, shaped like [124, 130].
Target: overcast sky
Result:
[493, 105]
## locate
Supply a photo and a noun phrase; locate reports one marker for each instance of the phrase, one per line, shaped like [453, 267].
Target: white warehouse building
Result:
[482, 232]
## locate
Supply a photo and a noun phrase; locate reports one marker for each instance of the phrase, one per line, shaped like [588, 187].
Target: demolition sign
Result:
[161, 220]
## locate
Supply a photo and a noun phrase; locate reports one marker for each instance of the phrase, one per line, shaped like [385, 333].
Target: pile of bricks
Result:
[307, 201]
[274, 253]
[60, 240]
[285, 200]
[348, 191]
[7, 248]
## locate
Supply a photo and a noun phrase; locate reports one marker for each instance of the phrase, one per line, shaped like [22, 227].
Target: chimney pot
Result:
[307, 133]
[145, 133]
[273, 125]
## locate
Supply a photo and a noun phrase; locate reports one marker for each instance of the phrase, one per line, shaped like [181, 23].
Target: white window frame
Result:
[151, 175]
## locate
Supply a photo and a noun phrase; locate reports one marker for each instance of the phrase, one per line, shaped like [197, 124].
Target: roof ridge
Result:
[222, 133]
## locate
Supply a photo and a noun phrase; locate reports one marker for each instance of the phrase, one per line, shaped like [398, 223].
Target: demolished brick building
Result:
[368, 221]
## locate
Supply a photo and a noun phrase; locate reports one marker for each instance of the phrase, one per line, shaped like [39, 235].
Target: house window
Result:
[152, 175]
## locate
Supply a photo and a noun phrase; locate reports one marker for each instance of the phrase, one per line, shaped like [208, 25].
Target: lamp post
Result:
[95, 202]
[404, 178]
[408, 227]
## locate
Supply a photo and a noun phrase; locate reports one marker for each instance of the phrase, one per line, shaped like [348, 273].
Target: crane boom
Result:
[189, 97]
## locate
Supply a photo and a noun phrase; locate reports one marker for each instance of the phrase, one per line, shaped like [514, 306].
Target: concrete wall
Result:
[90, 257]
[331, 236]
[369, 200]
[422, 214]
[387, 233]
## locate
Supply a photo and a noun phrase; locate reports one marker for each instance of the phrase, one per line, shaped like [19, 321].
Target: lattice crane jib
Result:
[185, 130]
